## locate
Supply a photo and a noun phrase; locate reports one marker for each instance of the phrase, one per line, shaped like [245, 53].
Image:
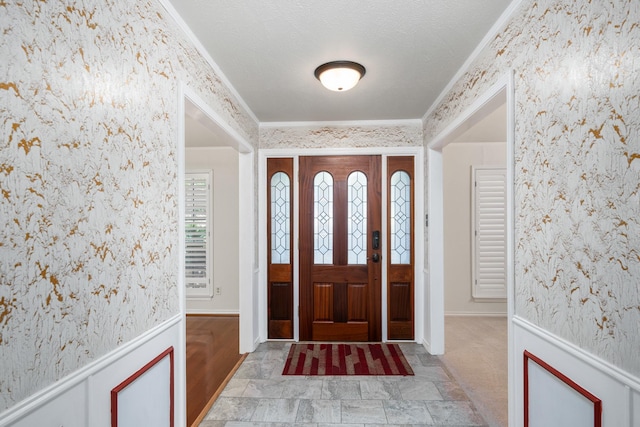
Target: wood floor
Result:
[212, 353]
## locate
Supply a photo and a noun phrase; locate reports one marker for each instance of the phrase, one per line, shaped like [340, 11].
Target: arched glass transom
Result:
[323, 218]
[357, 218]
[400, 198]
[280, 218]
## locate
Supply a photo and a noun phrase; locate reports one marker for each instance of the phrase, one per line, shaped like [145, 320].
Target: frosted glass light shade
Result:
[339, 75]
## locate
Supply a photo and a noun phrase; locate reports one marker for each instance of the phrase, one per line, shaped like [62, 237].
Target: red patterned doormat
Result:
[346, 359]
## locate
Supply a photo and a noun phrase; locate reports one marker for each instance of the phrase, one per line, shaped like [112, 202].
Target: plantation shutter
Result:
[489, 233]
[198, 234]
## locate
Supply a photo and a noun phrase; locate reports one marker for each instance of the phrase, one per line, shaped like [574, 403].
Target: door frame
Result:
[503, 91]
[296, 153]
[190, 102]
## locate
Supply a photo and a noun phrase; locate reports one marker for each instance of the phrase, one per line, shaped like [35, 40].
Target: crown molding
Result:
[493, 31]
[201, 49]
[343, 124]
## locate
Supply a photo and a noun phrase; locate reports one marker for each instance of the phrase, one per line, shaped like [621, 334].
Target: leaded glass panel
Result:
[400, 218]
[280, 218]
[323, 218]
[357, 218]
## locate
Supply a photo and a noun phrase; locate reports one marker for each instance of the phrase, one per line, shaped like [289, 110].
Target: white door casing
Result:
[417, 152]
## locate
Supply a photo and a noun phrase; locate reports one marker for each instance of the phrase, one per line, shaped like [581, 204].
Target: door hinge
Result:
[426, 220]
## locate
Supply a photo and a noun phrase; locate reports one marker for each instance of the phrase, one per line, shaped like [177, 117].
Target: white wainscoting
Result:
[84, 398]
[618, 390]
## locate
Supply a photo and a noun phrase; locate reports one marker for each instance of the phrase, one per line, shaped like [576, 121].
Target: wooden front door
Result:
[340, 248]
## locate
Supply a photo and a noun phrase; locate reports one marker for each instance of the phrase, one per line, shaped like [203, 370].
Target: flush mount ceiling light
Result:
[339, 76]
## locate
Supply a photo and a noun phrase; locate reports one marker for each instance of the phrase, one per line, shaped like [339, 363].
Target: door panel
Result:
[280, 244]
[323, 298]
[357, 296]
[340, 204]
[400, 253]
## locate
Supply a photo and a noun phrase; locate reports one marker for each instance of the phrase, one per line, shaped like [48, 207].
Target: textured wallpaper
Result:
[408, 134]
[88, 179]
[577, 183]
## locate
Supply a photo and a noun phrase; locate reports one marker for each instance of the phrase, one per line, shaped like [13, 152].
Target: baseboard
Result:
[196, 311]
[473, 314]
[427, 346]
[190, 314]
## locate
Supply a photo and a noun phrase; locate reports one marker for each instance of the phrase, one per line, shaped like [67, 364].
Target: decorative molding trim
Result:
[49, 393]
[297, 152]
[344, 124]
[493, 31]
[597, 403]
[139, 373]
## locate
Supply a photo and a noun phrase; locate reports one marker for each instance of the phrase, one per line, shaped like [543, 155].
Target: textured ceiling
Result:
[268, 50]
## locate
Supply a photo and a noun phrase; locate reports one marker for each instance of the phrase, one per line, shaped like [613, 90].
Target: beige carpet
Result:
[476, 355]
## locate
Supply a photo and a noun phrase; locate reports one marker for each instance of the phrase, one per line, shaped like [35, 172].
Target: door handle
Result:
[375, 257]
[375, 240]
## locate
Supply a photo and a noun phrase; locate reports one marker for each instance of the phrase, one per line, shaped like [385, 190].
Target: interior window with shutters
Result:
[489, 232]
[198, 259]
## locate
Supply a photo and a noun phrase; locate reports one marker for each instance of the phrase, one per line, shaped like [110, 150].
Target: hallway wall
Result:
[88, 159]
[577, 186]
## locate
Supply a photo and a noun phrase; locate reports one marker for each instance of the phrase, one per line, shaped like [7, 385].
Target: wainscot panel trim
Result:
[48, 394]
[618, 390]
[597, 363]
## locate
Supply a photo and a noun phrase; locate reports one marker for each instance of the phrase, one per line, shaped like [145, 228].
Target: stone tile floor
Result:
[259, 395]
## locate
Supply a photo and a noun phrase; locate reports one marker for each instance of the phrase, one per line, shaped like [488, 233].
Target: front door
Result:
[340, 248]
